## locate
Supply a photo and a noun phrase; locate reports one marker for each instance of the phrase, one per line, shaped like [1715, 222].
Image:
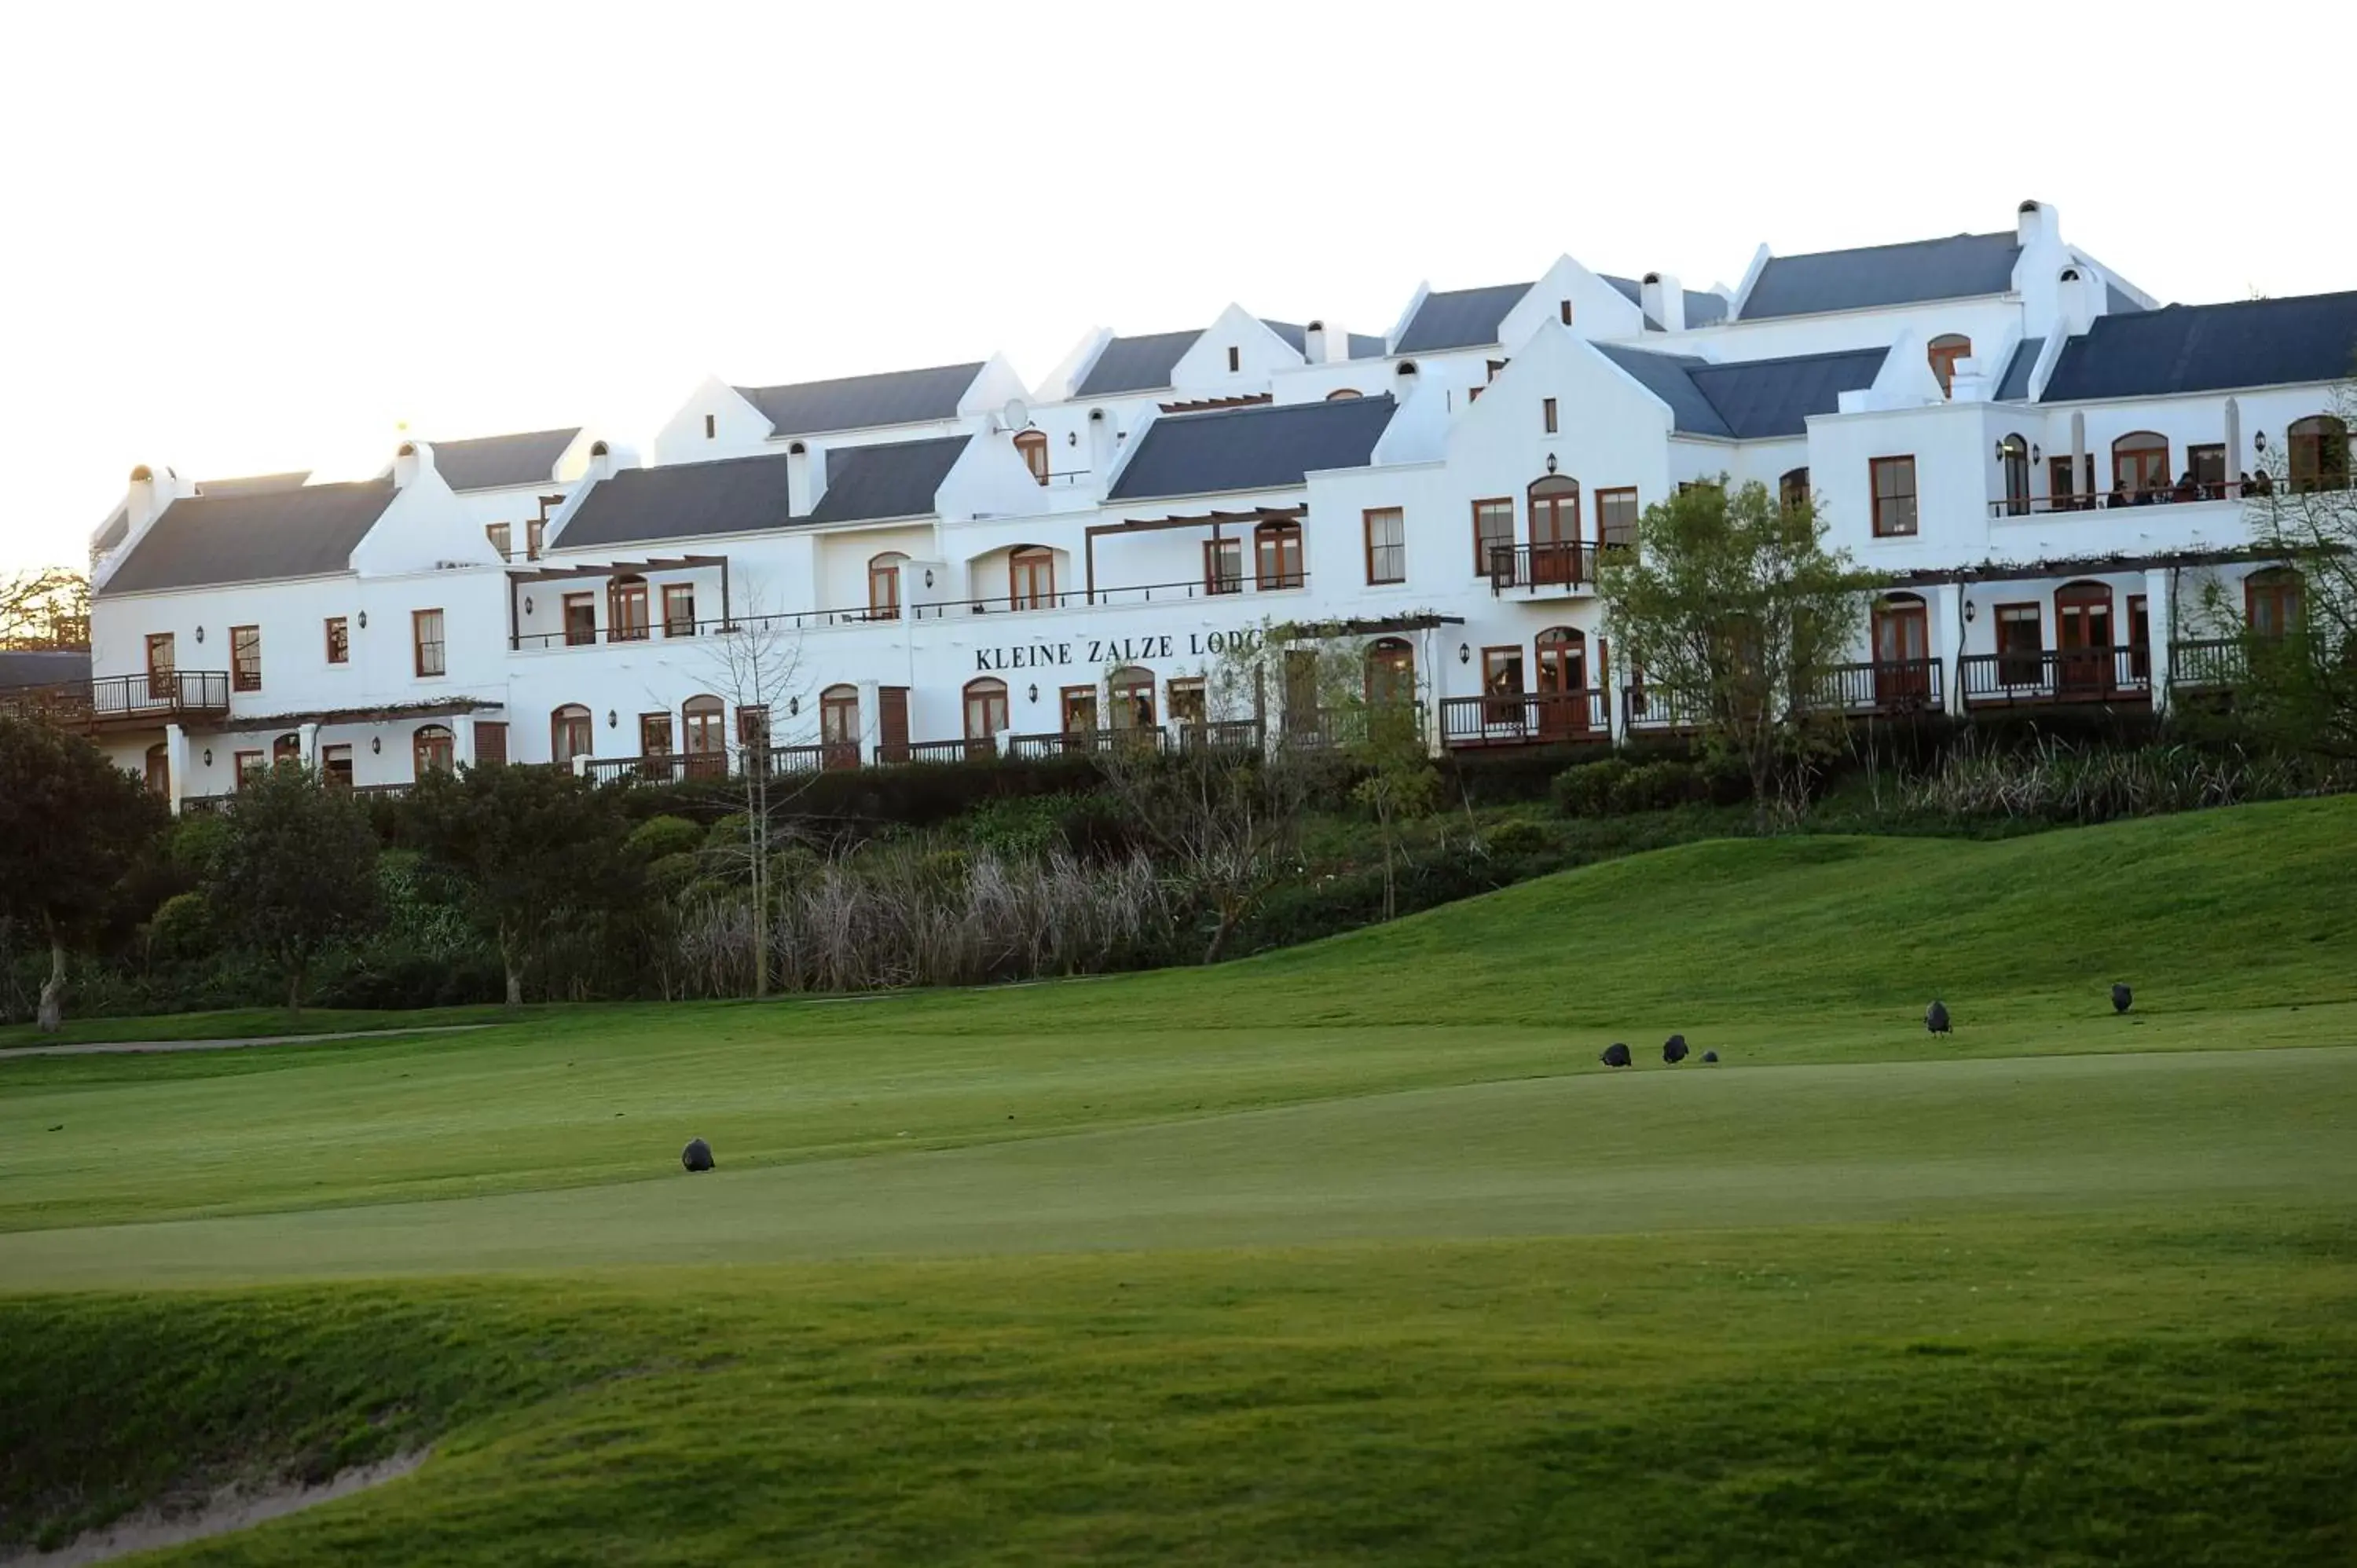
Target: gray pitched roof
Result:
[2209, 348]
[203, 541]
[858, 402]
[1135, 364]
[2015, 384]
[1266, 447]
[900, 478]
[1703, 307]
[112, 530]
[1955, 268]
[44, 667]
[494, 462]
[1366, 346]
[1748, 400]
[681, 501]
[2118, 302]
[1293, 332]
[254, 484]
[1362, 346]
[1460, 318]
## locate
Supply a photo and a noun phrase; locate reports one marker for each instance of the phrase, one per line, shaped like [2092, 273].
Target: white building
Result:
[943, 560]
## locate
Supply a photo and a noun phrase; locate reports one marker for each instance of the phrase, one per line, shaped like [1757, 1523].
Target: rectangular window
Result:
[1564, 308]
[1079, 709]
[626, 610]
[339, 640]
[753, 727]
[1546, 408]
[1387, 545]
[491, 743]
[160, 683]
[426, 642]
[2141, 636]
[500, 537]
[679, 609]
[711, 426]
[580, 619]
[1235, 360]
[245, 657]
[1616, 517]
[535, 534]
[1493, 530]
[1894, 496]
[2020, 639]
[1276, 555]
[1187, 703]
[2208, 465]
[1223, 565]
[250, 765]
[336, 767]
[654, 735]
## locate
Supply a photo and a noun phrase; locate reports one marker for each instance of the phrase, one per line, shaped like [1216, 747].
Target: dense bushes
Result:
[1615, 786]
[2055, 781]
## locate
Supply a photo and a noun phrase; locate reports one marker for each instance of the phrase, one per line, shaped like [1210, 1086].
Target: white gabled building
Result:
[947, 561]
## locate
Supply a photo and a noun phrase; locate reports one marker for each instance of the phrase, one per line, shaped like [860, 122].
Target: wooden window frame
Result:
[336, 766]
[535, 537]
[2284, 589]
[629, 610]
[502, 538]
[1944, 352]
[1398, 548]
[1513, 649]
[884, 571]
[1215, 581]
[2160, 444]
[491, 743]
[565, 606]
[988, 690]
[711, 426]
[2138, 633]
[338, 631]
[421, 748]
[647, 723]
[2036, 656]
[1482, 566]
[419, 643]
[1604, 539]
[559, 719]
[244, 675]
[1235, 360]
[245, 765]
[1130, 682]
[2319, 457]
[704, 731]
[1187, 691]
[1550, 503]
[1032, 446]
[1274, 538]
[676, 597]
[1391, 655]
[1029, 560]
[1563, 309]
[1547, 416]
[1065, 697]
[1913, 495]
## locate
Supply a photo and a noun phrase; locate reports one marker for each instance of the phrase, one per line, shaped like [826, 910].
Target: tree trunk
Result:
[53, 989]
[295, 992]
[513, 970]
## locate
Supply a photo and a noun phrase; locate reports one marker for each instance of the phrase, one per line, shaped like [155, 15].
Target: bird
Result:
[1614, 1055]
[697, 1155]
[1935, 1018]
[2122, 998]
[1710, 1055]
[1674, 1049]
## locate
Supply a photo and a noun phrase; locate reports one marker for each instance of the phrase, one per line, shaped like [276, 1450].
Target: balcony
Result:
[1525, 719]
[1880, 687]
[163, 696]
[1087, 743]
[1658, 710]
[981, 748]
[1564, 567]
[2055, 676]
[2207, 664]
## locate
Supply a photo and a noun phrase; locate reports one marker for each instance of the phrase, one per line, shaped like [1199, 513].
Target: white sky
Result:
[238, 238]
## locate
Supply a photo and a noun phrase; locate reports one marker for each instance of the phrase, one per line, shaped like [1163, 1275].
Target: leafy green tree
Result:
[71, 826]
[1733, 609]
[294, 871]
[536, 848]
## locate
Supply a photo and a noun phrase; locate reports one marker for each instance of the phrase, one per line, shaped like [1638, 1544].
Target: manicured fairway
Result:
[1350, 1254]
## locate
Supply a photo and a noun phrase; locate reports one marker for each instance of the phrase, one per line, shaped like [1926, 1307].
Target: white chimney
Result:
[601, 460]
[1313, 343]
[148, 496]
[1665, 301]
[415, 458]
[805, 478]
[2077, 299]
[2037, 220]
[1404, 380]
[1103, 443]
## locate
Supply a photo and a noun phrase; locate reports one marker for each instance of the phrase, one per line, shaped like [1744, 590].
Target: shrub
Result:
[1589, 790]
[182, 928]
[1519, 836]
[665, 835]
[2055, 781]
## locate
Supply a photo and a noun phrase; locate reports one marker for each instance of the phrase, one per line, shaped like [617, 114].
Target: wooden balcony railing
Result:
[2209, 663]
[1352, 726]
[1567, 567]
[2055, 676]
[1534, 718]
[1881, 686]
[1087, 742]
[1656, 709]
[1193, 736]
[980, 748]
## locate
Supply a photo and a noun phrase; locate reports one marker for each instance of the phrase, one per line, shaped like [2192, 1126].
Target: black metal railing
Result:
[1088, 742]
[1568, 565]
[1193, 736]
[1216, 586]
[724, 625]
[2055, 676]
[1880, 686]
[977, 748]
[658, 767]
[1532, 718]
[160, 694]
[2172, 494]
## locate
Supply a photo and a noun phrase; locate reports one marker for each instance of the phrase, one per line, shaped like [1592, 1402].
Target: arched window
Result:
[1343, 394]
[159, 771]
[1793, 489]
[1554, 531]
[838, 725]
[884, 586]
[2271, 601]
[1132, 698]
[2139, 468]
[431, 750]
[1276, 555]
[1944, 353]
[2013, 455]
[704, 732]
[569, 734]
[1390, 672]
[1031, 578]
[2319, 453]
[626, 610]
[288, 747]
[986, 710]
[1033, 446]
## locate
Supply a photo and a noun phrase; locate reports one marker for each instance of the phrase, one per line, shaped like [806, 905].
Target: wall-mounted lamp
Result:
[1464, 653]
[611, 718]
[1035, 690]
[200, 631]
[376, 743]
[364, 620]
[929, 576]
[1072, 438]
[1549, 462]
[2259, 439]
[208, 756]
[527, 604]
[793, 704]
[1971, 612]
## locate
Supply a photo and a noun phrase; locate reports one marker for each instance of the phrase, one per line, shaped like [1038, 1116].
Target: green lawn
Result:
[1347, 1253]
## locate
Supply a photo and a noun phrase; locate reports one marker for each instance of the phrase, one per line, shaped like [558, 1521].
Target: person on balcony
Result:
[2119, 496]
[2186, 489]
[2260, 484]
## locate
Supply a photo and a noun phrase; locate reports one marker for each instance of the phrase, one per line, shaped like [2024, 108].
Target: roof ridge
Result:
[1896, 245]
[860, 376]
[1265, 408]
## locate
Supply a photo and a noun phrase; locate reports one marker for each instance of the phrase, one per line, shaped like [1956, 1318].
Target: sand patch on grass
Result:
[231, 1508]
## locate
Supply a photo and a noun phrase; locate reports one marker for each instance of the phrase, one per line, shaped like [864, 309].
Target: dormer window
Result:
[1564, 306]
[1944, 353]
[1033, 446]
[711, 425]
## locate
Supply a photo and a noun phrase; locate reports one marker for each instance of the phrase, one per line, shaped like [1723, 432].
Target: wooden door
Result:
[1562, 683]
[2082, 637]
[892, 722]
[838, 725]
[1902, 650]
[491, 743]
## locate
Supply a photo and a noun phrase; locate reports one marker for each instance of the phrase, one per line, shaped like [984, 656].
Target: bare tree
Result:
[756, 661]
[48, 607]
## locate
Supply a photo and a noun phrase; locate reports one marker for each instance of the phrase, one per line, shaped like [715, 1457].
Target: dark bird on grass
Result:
[2122, 998]
[1710, 1055]
[1614, 1055]
[1674, 1049]
[697, 1155]
[1935, 1018]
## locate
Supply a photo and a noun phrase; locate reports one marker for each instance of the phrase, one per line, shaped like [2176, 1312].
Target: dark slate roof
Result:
[253, 484]
[1292, 332]
[2209, 348]
[1954, 268]
[900, 478]
[1703, 309]
[1749, 400]
[1135, 364]
[494, 462]
[857, 402]
[1460, 319]
[1365, 346]
[681, 501]
[203, 541]
[44, 668]
[1266, 447]
[2117, 302]
[2015, 384]
[111, 531]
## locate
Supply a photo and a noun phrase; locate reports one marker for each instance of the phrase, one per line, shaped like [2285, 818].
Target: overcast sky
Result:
[244, 238]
